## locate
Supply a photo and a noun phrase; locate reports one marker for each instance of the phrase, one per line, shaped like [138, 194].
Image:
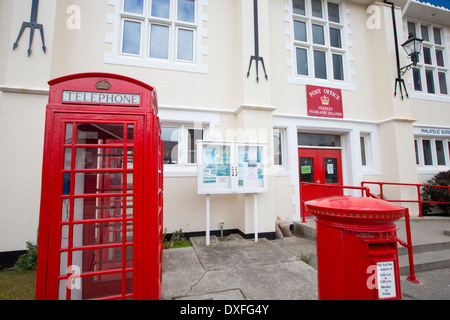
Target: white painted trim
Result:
[24, 90]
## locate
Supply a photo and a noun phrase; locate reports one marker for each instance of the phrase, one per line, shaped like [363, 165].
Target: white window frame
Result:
[283, 133]
[293, 44]
[434, 167]
[444, 46]
[116, 56]
[183, 140]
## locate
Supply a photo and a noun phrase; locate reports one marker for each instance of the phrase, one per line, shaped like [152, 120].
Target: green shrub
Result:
[437, 194]
[28, 261]
[177, 240]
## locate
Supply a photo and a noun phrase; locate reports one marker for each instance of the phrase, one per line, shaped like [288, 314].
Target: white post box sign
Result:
[231, 167]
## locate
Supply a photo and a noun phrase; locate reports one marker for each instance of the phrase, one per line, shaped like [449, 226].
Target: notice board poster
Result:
[250, 170]
[216, 168]
[229, 167]
[324, 102]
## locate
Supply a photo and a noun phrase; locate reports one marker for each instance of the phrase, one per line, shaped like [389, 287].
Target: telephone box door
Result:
[98, 198]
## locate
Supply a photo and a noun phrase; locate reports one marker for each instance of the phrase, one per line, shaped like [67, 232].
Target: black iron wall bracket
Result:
[256, 57]
[33, 25]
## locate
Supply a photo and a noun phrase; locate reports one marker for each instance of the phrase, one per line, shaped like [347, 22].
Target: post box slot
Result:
[382, 248]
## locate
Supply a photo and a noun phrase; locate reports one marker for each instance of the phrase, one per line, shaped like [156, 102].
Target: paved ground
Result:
[238, 269]
[434, 285]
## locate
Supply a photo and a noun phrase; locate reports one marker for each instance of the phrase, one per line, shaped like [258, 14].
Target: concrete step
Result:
[425, 261]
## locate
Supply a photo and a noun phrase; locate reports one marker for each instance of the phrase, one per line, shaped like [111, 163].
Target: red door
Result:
[322, 167]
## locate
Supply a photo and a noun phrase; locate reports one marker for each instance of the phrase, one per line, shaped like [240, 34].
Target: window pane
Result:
[193, 136]
[363, 151]
[131, 37]
[159, 41]
[186, 10]
[427, 152]
[318, 36]
[185, 49]
[331, 170]
[320, 65]
[277, 152]
[443, 82]
[424, 31]
[416, 147]
[440, 58]
[161, 8]
[307, 170]
[437, 36]
[318, 140]
[134, 6]
[430, 81]
[440, 152]
[317, 8]
[300, 31]
[302, 61]
[427, 55]
[299, 7]
[338, 67]
[333, 12]
[417, 79]
[412, 28]
[335, 38]
[169, 135]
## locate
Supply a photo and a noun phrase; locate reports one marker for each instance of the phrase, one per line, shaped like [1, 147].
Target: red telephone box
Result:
[101, 219]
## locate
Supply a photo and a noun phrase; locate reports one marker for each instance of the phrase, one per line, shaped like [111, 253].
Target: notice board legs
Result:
[255, 208]
[208, 215]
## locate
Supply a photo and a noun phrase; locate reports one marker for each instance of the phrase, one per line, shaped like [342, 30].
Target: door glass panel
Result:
[130, 133]
[99, 158]
[98, 133]
[69, 133]
[103, 233]
[101, 208]
[307, 170]
[331, 170]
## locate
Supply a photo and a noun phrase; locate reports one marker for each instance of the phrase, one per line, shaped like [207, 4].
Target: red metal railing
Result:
[328, 187]
[419, 200]
[365, 191]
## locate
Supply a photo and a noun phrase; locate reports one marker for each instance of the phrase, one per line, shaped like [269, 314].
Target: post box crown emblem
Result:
[103, 85]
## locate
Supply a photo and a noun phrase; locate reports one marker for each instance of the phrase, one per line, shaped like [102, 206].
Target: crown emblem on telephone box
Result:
[103, 85]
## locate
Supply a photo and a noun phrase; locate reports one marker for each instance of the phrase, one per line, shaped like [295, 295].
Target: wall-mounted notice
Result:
[229, 167]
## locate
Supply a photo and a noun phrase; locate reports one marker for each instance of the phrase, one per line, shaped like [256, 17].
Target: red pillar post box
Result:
[357, 256]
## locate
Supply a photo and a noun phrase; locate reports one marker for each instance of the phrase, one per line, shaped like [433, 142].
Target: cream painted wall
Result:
[22, 120]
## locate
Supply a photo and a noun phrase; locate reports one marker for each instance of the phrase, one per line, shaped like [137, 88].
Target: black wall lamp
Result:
[412, 47]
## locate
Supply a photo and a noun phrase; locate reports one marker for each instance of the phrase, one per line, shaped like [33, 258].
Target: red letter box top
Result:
[348, 207]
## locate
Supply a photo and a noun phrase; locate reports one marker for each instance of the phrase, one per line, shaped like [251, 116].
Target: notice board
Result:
[231, 167]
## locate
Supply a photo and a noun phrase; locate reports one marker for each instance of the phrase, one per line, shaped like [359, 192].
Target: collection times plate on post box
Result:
[231, 167]
[386, 279]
